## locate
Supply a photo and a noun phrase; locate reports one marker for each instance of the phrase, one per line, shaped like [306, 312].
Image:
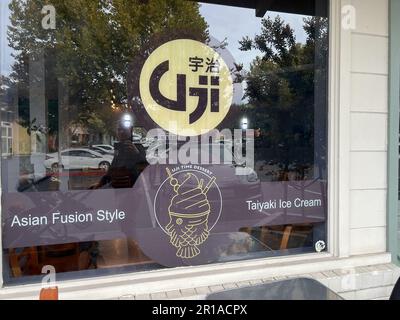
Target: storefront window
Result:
[147, 134]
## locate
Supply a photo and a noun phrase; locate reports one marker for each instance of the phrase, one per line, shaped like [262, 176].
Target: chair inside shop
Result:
[24, 261]
[119, 253]
[64, 258]
[281, 237]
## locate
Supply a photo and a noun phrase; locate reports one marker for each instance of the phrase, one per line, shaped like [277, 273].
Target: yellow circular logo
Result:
[186, 87]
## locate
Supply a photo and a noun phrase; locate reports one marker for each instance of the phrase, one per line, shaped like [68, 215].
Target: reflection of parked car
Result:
[104, 147]
[78, 159]
[221, 160]
[102, 151]
[136, 138]
[231, 173]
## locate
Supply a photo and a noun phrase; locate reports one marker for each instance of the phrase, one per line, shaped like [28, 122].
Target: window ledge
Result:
[192, 277]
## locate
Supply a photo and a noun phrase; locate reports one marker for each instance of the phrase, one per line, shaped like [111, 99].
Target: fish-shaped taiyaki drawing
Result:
[189, 212]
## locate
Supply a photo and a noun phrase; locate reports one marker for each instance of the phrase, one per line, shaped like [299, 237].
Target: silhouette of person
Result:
[123, 171]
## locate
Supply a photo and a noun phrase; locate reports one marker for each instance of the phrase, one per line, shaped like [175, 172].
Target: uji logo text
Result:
[186, 87]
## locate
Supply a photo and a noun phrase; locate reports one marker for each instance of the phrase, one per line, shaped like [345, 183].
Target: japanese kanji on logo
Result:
[186, 87]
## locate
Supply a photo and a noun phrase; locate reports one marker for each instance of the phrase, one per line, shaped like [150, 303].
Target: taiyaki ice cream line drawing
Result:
[189, 211]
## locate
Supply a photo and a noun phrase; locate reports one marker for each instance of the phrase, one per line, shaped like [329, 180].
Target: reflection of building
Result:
[6, 138]
[6, 131]
[21, 141]
[15, 139]
[82, 137]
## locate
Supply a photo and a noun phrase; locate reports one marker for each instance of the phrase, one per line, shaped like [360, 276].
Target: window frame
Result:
[338, 211]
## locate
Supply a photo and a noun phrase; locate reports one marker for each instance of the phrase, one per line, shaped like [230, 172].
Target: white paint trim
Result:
[333, 95]
[339, 131]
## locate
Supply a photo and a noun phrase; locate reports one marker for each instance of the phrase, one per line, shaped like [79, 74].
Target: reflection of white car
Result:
[219, 156]
[136, 138]
[104, 147]
[101, 151]
[78, 159]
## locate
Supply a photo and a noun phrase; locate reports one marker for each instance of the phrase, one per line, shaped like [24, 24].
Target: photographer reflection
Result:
[128, 162]
[124, 169]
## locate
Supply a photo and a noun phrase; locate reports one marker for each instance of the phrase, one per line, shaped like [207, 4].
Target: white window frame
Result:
[339, 132]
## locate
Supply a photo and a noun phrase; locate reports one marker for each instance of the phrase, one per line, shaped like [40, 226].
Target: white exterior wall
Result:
[368, 127]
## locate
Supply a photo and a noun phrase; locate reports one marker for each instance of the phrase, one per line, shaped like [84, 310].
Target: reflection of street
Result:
[79, 169]
[77, 179]
[269, 171]
[71, 120]
[78, 159]
[74, 180]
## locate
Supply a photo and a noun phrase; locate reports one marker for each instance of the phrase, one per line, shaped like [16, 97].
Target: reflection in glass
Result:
[64, 91]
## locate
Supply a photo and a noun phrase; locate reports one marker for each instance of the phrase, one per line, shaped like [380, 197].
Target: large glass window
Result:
[147, 134]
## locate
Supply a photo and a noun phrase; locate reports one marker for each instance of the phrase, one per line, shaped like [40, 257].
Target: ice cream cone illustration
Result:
[189, 211]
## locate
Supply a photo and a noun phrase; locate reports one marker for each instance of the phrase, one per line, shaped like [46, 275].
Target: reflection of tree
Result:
[90, 50]
[286, 89]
